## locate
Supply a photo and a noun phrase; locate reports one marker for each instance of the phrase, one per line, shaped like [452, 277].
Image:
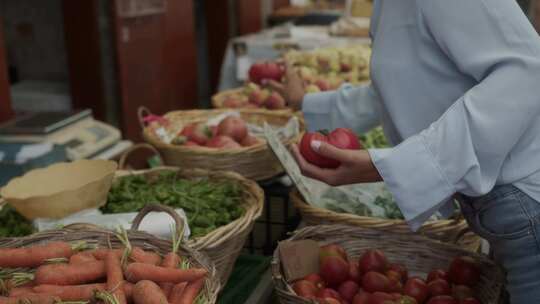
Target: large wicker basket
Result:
[104, 238]
[257, 162]
[451, 230]
[417, 253]
[219, 98]
[224, 244]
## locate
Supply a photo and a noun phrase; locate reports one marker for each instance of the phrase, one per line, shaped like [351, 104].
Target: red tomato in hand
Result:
[341, 138]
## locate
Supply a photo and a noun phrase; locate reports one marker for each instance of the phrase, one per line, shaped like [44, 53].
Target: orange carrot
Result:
[101, 254]
[70, 293]
[32, 298]
[171, 260]
[136, 272]
[191, 292]
[137, 255]
[65, 274]
[176, 292]
[115, 278]
[148, 292]
[34, 256]
[128, 291]
[140, 256]
[19, 291]
[82, 257]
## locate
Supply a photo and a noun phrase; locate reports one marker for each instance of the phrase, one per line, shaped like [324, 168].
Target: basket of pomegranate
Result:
[221, 140]
[341, 209]
[343, 264]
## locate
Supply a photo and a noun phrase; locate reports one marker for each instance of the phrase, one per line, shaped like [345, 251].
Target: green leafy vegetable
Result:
[208, 204]
[12, 224]
[374, 139]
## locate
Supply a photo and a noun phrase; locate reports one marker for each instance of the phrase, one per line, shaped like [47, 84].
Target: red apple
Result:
[305, 289]
[373, 260]
[222, 142]
[416, 288]
[201, 134]
[275, 101]
[260, 71]
[437, 274]
[442, 300]
[334, 270]
[464, 271]
[348, 290]
[316, 279]
[233, 127]
[250, 140]
[374, 281]
[329, 293]
[258, 97]
[439, 287]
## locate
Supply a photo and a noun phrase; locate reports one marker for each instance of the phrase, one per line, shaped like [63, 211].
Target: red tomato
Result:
[332, 250]
[334, 270]
[374, 281]
[316, 280]
[439, 287]
[348, 290]
[305, 289]
[341, 138]
[417, 289]
[265, 70]
[401, 270]
[373, 260]
[464, 271]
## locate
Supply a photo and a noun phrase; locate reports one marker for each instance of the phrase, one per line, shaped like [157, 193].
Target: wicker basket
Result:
[224, 244]
[452, 230]
[257, 162]
[219, 98]
[104, 238]
[417, 253]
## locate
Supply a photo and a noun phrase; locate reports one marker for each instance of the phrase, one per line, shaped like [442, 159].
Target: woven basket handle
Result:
[142, 112]
[82, 226]
[125, 155]
[179, 222]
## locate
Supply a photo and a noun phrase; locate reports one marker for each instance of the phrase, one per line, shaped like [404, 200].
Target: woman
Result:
[456, 85]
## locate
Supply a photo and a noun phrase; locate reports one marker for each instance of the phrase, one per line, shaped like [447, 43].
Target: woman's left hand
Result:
[356, 166]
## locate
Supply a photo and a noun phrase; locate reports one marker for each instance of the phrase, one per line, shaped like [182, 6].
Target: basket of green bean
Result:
[221, 207]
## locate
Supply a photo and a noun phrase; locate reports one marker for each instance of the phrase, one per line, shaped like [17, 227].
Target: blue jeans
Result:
[510, 221]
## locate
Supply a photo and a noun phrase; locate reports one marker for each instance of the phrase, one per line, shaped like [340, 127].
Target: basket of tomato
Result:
[447, 230]
[220, 140]
[364, 266]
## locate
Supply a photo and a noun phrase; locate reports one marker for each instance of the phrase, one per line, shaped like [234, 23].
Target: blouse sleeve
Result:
[348, 107]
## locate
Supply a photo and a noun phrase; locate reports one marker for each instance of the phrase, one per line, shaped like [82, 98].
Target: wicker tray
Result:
[417, 253]
[104, 238]
[257, 162]
[224, 244]
[219, 98]
[452, 230]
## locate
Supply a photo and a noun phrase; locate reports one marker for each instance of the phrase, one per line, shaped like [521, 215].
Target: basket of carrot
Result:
[83, 263]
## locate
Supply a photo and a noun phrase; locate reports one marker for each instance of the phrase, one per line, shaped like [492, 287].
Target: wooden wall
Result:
[6, 111]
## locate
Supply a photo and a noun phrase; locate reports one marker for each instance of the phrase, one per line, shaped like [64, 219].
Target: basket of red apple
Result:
[342, 264]
[251, 96]
[221, 140]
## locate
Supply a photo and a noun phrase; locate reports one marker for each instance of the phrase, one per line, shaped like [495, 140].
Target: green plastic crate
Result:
[246, 275]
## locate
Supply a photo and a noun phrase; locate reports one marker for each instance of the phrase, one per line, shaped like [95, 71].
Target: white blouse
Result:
[456, 85]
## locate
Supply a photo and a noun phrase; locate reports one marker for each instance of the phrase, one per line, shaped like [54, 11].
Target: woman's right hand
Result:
[292, 89]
